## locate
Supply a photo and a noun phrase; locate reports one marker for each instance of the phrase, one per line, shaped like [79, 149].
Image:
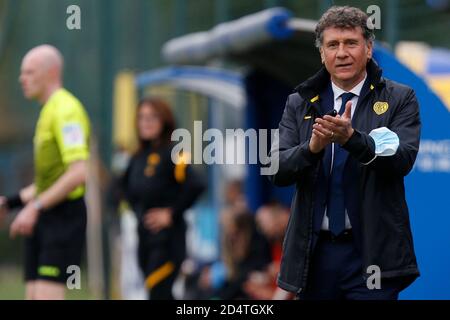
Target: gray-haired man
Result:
[349, 214]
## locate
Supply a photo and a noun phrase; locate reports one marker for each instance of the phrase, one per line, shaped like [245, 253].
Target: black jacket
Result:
[384, 234]
[152, 180]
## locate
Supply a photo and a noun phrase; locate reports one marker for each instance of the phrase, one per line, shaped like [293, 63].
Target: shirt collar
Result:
[356, 89]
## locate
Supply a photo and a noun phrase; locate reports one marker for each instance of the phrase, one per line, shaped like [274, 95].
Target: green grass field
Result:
[12, 286]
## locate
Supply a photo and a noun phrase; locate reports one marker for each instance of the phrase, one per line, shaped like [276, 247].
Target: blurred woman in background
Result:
[159, 191]
[243, 250]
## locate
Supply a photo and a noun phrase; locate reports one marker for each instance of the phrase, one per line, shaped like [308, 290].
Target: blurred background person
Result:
[3, 210]
[159, 191]
[243, 250]
[202, 279]
[272, 220]
[234, 196]
[53, 213]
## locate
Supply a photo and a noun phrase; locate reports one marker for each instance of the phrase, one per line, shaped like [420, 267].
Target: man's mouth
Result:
[343, 65]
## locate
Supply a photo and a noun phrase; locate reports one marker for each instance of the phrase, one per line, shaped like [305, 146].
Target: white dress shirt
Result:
[337, 92]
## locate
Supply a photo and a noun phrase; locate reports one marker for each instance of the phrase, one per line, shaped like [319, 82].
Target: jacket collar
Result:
[310, 88]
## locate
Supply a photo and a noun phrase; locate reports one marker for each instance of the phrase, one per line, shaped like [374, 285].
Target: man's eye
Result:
[332, 45]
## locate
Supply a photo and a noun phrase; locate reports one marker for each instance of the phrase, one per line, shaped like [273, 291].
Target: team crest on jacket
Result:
[153, 159]
[380, 107]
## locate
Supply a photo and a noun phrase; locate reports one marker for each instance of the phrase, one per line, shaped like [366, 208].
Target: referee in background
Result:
[53, 213]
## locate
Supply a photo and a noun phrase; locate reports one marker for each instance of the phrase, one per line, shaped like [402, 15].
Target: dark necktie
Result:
[335, 196]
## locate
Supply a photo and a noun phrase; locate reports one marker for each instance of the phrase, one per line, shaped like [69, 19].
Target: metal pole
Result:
[8, 16]
[391, 23]
[221, 11]
[107, 32]
[324, 5]
[272, 3]
[145, 34]
[180, 17]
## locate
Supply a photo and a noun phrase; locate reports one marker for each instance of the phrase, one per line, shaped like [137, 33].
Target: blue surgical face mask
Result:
[386, 141]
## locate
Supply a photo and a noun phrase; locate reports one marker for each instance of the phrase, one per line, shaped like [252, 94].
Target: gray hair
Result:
[344, 17]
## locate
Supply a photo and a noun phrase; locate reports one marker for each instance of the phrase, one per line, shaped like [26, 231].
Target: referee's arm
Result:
[72, 178]
[16, 201]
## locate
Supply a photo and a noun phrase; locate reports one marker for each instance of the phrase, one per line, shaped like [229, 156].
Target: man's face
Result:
[345, 53]
[32, 77]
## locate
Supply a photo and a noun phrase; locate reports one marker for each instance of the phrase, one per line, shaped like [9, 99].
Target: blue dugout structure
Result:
[278, 53]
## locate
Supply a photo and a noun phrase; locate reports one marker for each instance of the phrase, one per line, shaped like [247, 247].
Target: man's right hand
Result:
[319, 139]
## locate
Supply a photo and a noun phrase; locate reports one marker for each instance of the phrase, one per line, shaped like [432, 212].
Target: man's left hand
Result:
[338, 128]
[25, 221]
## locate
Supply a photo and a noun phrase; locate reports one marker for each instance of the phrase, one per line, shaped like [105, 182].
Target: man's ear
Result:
[321, 55]
[369, 50]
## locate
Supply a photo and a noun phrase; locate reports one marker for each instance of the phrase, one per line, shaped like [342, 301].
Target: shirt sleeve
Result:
[71, 132]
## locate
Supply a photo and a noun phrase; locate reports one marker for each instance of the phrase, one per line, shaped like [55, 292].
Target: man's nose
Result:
[342, 52]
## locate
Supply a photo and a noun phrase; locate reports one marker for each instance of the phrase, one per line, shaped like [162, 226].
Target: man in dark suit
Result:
[347, 138]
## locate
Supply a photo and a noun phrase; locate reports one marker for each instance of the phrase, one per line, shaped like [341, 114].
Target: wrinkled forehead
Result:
[342, 33]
